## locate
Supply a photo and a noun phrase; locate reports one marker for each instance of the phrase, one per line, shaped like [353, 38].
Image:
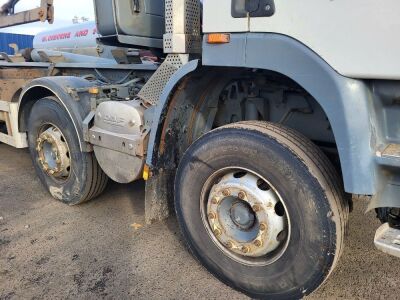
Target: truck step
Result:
[387, 240]
[389, 155]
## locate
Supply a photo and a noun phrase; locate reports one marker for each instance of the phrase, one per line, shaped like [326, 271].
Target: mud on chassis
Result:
[248, 153]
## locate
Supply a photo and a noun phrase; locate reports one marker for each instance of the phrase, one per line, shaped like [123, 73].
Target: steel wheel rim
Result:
[53, 152]
[255, 234]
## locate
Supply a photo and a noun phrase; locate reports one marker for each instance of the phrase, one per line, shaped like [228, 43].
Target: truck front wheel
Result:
[70, 175]
[262, 208]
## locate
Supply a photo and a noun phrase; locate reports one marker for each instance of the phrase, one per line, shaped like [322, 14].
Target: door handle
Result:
[252, 8]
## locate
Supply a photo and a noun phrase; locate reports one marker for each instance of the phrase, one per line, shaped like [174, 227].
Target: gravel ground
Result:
[98, 250]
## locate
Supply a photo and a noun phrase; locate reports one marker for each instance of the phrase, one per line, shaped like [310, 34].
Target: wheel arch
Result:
[62, 90]
[346, 102]
[163, 105]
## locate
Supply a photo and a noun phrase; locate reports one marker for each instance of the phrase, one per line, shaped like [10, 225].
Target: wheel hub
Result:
[242, 215]
[53, 153]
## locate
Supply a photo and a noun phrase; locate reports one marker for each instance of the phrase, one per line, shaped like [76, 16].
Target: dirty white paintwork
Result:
[358, 38]
[217, 17]
[76, 36]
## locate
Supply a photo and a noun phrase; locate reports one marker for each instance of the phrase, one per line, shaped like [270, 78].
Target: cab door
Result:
[358, 38]
[217, 17]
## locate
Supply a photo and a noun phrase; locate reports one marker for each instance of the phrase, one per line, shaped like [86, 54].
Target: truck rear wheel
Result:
[262, 208]
[69, 174]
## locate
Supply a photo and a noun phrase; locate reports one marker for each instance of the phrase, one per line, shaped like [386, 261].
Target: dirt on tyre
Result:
[262, 208]
[70, 175]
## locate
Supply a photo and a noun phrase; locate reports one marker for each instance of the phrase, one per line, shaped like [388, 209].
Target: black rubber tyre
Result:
[3, 128]
[309, 186]
[86, 179]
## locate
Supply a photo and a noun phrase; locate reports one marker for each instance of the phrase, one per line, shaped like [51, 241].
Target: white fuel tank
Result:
[73, 37]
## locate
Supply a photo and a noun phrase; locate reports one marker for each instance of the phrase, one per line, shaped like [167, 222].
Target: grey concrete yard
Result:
[52, 251]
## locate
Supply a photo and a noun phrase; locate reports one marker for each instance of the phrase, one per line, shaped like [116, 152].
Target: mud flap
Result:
[159, 196]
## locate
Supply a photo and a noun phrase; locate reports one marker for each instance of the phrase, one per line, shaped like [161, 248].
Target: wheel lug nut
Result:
[211, 216]
[229, 245]
[51, 172]
[245, 249]
[256, 208]
[258, 243]
[263, 227]
[217, 231]
[242, 195]
[214, 200]
[226, 192]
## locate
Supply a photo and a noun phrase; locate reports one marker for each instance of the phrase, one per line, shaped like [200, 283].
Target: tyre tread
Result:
[95, 180]
[327, 173]
[98, 181]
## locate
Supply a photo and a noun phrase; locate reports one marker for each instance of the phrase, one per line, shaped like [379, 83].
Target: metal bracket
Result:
[14, 137]
[387, 240]
[124, 143]
[86, 125]
[43, 13]
[5, 56]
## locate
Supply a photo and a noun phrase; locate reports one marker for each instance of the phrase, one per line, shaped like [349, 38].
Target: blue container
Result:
[23, 41]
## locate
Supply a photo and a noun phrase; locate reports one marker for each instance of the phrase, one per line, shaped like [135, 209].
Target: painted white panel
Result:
[76, 36]
[17, 139]
[217, 17]
[358, 38]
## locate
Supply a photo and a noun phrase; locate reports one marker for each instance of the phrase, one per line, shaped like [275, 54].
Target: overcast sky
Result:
[65, 10]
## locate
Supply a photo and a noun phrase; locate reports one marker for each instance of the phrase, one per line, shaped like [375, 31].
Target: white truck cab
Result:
[256, 124]
[356, 38]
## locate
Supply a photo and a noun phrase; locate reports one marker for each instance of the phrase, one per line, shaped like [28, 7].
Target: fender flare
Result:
[160, 109]
[347, 102]
[62, 88]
